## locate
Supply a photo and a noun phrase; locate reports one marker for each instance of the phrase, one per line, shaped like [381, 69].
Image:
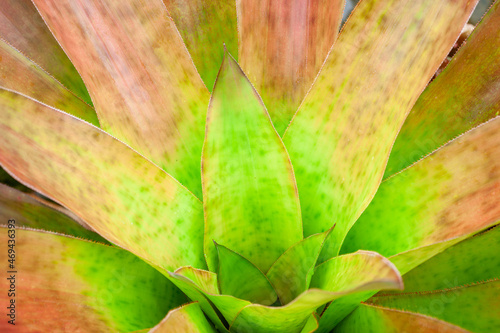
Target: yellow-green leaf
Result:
[250, 196]
[340, 138]
[124, 197]
[185, 319]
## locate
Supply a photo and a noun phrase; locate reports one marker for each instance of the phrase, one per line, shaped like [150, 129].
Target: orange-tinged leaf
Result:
[30, 212]
[340, 138]
[22, 27]
[464, 95]
[20, 74]
[206, 25]
[120, 194]
[144, 85]
[282, 47]
[63, 284]
[185, 319]
[376, 319]
[452, 193]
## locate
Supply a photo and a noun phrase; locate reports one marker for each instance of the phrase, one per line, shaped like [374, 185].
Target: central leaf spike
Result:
[250, 196]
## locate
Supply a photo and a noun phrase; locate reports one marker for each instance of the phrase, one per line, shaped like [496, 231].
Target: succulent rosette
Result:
[243, 166]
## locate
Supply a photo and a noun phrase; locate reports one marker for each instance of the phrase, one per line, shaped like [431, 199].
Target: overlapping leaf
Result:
[31, 213]
[144, 85]
[22, 75]
[185, 319]
[123, 196]
[92, 287]
[450, 194]
[376, 319]
[465, 95]
[206, 25]
[282, 47]
[341, 136]
[23, 28]
[341, 277]
[250, 197]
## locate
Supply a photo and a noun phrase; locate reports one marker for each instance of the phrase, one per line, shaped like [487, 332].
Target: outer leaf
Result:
[293, 316]
[240, 278]
[463, 96]
[144, 85]
[452, 193]
[291, 274]
[473, 307]
[205, 25]
[250, 197]
[31, 213]
[123, 196]
[340, 138]
[92, 287]
[375, 319]
[22, 27]
[22, 75]
[186, 319]
[362, 265]
[472, 260]
[282, 47]
[227, 306]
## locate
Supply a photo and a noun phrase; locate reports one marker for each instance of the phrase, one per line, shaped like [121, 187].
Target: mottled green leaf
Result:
[22, 27]
[463, 96]
[340, 138]
[124, 197]
[29, 212]
[340, 277]
[250, 197]
[376, 319]
[70, 285]
[144, 85]
[472, 260]
[20, 74]
[212, 304]
[240, 278]
[185, 319]
[206, 25]
[473, 307]
[450, 194]
[291, 274]
[369, 267]
[282, 47]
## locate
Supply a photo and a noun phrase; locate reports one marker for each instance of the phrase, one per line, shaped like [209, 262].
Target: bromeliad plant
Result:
[265, 236]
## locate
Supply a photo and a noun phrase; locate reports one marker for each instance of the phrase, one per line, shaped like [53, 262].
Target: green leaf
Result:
[339, 277]
[450, 194]
[291, 274]
[376, 319]
[472, 260]
[348, 271]
[282, 47]
[473, 307]
[212, 304]
[311, 324]
[206, 25]
[22, 75]
[67, 284]
[240, 278]
[22, 27]
[185, 319]
[340, 138]
[29, 212]
[460, 98]
[144, 85]
[250, 197]
[124, 197]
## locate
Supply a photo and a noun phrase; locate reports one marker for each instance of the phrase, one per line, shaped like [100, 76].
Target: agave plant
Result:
[314, 208]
